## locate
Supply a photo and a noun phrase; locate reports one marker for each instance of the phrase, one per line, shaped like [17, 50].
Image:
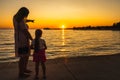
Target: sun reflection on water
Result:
[63, 37]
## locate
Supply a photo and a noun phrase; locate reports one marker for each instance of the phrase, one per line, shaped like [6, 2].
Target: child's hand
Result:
[31, 46]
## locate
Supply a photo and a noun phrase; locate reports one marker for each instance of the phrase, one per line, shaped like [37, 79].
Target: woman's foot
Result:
[24, 75]
[36, 78]
[44, 77]
[27, 71]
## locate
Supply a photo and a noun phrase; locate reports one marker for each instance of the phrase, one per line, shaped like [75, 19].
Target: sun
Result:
[63, 26]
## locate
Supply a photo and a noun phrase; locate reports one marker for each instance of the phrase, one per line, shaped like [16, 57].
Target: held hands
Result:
[31, 46]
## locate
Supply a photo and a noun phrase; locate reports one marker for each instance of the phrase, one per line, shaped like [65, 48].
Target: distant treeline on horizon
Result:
[115, 26]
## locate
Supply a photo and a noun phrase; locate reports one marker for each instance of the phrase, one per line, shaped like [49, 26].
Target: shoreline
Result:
[15, 59]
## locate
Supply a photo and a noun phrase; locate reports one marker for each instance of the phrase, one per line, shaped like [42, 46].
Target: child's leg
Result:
[36, 69]
[43, 68]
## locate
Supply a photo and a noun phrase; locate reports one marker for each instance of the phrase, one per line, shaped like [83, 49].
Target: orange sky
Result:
[55, 13]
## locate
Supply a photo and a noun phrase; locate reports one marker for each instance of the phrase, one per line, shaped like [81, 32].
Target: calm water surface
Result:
[66, 43]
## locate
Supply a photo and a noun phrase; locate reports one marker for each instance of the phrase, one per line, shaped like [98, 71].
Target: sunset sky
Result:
[56, 13]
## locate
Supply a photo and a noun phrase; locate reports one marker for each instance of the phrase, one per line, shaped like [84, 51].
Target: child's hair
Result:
[38, 34]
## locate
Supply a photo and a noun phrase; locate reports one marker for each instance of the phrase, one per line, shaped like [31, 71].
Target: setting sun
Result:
[63, 26]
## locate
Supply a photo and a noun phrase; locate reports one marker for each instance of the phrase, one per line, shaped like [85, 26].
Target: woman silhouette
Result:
[22, 37]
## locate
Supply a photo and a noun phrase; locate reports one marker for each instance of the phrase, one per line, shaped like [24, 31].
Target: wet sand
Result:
[77, 68]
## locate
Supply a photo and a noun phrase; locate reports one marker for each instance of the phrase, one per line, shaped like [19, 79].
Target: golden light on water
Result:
[63, 44]
[63, 37]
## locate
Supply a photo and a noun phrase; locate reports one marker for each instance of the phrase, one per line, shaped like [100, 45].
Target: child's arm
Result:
[45, 44]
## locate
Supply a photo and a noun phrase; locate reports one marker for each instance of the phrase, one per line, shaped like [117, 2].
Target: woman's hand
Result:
[28, 20]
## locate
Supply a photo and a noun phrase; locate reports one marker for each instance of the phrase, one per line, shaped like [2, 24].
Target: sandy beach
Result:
[78, 68]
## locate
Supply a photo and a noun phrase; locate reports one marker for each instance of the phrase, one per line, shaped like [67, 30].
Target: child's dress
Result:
[39, 56]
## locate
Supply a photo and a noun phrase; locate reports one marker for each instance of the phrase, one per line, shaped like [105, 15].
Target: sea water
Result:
[65, 43]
